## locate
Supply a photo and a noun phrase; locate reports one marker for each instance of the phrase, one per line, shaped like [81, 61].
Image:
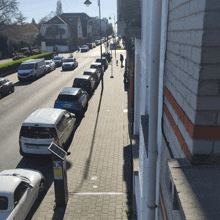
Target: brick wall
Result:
[192, 79]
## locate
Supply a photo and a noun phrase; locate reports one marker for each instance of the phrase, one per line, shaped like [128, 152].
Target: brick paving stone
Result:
[100, 160]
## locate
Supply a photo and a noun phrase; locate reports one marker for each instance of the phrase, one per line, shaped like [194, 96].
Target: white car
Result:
[50, 65]
[19, 189]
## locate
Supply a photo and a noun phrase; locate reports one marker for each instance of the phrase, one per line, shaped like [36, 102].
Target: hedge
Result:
[12, 67]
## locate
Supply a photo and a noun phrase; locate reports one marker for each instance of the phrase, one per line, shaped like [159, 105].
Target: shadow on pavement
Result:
[87, 163]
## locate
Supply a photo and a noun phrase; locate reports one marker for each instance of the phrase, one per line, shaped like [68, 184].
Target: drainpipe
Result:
[155, 27]
[164, 21]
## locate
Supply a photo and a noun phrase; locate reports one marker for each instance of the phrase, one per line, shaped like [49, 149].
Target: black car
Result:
[58, 60]
[95, 73]
[104, 62]
[6, 87]
[107, 56]
[85, 82]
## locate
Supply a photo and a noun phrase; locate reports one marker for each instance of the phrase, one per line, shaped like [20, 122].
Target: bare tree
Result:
[20, 19]
[46, 18]
[8, 10]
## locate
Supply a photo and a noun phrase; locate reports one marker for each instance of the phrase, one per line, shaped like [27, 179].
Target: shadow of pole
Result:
[87, 163]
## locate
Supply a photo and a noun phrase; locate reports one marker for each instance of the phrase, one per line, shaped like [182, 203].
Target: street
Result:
[30, 96]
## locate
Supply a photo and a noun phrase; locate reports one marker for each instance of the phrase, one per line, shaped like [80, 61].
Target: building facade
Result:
[174, 66]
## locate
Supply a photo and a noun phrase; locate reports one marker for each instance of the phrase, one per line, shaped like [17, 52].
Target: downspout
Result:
[164, 22]
[155, 27]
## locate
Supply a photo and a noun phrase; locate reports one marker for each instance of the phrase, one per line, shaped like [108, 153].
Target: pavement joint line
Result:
[94, 193]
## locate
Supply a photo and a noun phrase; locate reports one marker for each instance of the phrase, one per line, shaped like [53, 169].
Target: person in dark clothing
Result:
[121, 59]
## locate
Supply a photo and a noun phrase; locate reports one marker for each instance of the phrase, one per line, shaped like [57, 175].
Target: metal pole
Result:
[111, 67]
[100, 35]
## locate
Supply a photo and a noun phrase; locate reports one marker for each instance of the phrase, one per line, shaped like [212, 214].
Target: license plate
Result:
[32, 146]
[66, 106]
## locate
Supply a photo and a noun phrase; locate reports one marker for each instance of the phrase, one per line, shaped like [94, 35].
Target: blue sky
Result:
[39, 8]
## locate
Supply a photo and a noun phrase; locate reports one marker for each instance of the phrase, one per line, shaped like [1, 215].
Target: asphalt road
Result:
[28, 97]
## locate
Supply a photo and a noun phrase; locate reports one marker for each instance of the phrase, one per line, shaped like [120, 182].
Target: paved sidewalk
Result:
[100, 165]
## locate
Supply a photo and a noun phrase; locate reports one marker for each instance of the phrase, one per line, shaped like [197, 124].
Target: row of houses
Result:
[69, 30]
[173, 62]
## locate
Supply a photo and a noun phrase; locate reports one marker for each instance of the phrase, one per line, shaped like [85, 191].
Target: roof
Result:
[33, 60]
[46, 116]
[90, 70]
[58, 20]
[69, 91]
[82, 15]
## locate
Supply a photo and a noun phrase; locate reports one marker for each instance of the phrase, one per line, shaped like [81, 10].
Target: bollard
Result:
[60, 175]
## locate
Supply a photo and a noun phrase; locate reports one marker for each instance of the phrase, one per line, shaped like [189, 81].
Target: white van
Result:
[44, 126]
[31, 69]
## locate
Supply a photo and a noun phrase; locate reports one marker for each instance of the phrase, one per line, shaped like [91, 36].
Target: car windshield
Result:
[84, 46]
[3, 203]
[68, 60]
[26, 66]
[57, 58]
[67, 98]
[81, 81]
[37, 132]
[95, 66]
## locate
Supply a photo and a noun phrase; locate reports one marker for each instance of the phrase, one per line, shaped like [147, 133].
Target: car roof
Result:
[92, 70]
[8, 184]
[100, 58]
[69, 91]
[83, 77]
[96, 64]
[58, 57]
[46, 116]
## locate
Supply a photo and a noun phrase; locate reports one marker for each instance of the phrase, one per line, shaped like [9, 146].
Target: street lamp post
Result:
[88, 3]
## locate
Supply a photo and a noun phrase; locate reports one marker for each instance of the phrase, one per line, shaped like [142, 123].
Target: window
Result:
[67, 98]
[37, 132]
[19, 192]
[3, 203]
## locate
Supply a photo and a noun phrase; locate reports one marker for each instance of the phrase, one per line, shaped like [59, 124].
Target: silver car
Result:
[19, 188]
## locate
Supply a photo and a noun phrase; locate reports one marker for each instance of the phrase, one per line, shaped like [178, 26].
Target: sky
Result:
[39, 8]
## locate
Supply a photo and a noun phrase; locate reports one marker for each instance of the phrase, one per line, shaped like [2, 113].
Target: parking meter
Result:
[60, 175]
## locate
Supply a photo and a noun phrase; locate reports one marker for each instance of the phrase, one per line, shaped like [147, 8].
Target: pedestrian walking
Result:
[121, 59]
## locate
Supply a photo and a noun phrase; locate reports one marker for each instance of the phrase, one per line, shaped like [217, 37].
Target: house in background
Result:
[62, 32]
[173, 63]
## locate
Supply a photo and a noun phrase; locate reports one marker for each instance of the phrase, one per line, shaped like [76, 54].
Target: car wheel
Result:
[12, 89]
[1, 95]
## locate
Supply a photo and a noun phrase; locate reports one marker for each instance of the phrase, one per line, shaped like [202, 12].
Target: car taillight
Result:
[56, 140]
[78, 103]
[56, 102]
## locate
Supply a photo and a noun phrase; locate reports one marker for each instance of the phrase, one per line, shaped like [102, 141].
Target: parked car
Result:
[6, 86]
[31, 69]
[50, 65]
[73, 99]
[104, 62]
[44, 126]
[97, 66]
[69, 64]
[97, 42]
[95, 73]
[107, 56]
[89, 45]
[58, 60]
[85, 82]
[19, 188]
[84, 48]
